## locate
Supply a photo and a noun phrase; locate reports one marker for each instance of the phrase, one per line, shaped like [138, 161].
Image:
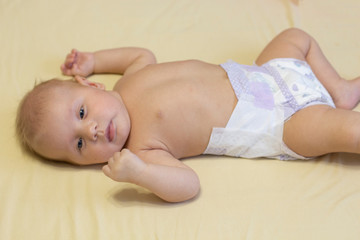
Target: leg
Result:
[320, 129]
[294, 43]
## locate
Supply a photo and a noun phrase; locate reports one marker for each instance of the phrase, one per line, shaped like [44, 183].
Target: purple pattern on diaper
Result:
[290, 100]
[263, 95]
[239, 80]
[260, 94]
[295, 88]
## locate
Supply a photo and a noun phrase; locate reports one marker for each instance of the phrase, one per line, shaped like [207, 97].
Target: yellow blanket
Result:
[240, 198]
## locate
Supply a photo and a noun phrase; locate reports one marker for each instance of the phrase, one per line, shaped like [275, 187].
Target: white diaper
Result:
[267, 95]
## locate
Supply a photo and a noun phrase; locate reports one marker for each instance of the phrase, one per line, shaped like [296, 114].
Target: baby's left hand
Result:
[124, 166]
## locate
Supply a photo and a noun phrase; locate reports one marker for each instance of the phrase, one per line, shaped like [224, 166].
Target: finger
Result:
[64, 70]
[75, 57]
[117, 155]
[64, 66]
[110, 162]
[70, 59]
[106, 170]
[76, 69]
[125, 151]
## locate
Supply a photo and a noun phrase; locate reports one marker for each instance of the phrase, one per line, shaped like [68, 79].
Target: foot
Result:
[348, 94]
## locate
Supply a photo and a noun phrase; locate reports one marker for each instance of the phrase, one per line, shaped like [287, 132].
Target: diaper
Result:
[268, 95]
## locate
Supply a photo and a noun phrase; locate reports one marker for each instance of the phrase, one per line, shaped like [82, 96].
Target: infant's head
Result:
[79, 122]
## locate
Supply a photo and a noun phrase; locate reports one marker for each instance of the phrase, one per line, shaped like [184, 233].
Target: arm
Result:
[162, 174]
[120, 61]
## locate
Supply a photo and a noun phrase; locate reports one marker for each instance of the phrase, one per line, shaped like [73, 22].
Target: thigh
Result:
[291, 43]
[320, 129]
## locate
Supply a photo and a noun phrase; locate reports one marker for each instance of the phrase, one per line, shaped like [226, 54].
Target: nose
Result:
[90, 130]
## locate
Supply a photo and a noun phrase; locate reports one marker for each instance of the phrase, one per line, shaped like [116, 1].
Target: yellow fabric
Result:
[240, 198]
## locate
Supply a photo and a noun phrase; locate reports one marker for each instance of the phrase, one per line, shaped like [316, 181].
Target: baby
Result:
[290, 105]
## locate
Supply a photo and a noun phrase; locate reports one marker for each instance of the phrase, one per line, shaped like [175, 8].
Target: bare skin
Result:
[172, 110]
[318, 130]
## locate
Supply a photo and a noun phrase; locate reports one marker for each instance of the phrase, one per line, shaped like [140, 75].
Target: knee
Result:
[347, 133]
[353, 137]
[295, 31]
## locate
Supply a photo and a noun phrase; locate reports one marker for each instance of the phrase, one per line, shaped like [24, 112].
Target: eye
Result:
[81, 112]
[80, 143]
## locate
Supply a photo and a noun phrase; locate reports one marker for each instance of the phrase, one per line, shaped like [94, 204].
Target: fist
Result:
[124, 166]
[78, 63]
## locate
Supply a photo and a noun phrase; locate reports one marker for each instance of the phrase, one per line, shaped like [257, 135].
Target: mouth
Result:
[110, 132]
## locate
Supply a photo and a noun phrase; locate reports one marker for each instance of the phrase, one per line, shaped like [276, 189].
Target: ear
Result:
[85, 82]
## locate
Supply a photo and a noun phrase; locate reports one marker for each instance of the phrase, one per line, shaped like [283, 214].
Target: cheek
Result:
[100, 153]
[108, 105]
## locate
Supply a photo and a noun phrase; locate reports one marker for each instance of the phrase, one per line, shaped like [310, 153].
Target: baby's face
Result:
[83, 125]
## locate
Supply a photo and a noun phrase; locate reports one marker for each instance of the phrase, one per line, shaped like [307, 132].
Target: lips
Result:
[110, 132]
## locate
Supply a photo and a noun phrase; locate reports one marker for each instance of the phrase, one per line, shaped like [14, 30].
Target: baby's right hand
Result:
[78, 63]
[124, 166]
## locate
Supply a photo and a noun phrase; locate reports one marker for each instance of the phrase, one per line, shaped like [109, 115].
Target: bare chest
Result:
[178, 115]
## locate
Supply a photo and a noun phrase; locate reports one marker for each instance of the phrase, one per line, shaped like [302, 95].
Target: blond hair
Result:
[32, 109]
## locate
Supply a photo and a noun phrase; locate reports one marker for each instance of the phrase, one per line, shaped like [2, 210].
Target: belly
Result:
[180, 110]
[184, 125]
